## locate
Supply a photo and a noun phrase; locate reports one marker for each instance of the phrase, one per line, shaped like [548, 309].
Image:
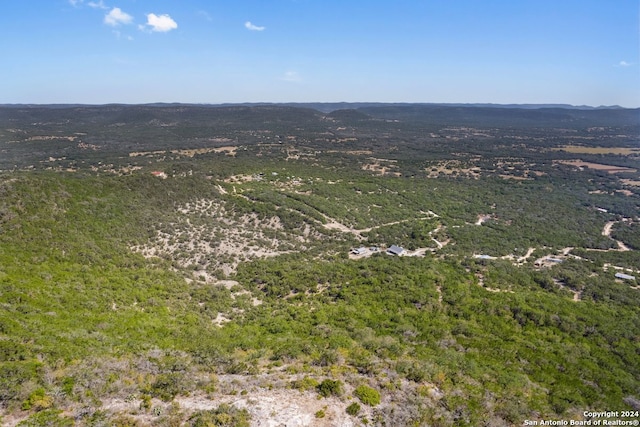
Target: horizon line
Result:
[258, 103]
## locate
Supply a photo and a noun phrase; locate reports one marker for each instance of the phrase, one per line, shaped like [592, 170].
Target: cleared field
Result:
[598, 166]
[578, 149]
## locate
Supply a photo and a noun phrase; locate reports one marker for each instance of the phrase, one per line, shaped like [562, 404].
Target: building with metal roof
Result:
[395, 250]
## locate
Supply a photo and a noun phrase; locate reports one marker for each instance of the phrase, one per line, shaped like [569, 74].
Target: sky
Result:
[580, 52]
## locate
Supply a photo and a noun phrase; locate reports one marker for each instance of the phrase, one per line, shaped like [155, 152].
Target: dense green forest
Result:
[176, 265]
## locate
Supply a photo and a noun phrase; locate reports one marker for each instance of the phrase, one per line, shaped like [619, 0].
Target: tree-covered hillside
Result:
[231, 282]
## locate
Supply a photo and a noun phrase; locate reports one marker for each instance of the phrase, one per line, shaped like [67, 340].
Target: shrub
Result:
[145, 403]
[367, 395]
[38, 400]
[224, 415]
[67, 385]
[329, 388]
[125, 421]
[353, 409]
[168, 386]
[50, 417]
[305, 384]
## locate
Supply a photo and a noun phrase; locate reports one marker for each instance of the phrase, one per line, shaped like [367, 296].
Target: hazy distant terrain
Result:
[198, 265]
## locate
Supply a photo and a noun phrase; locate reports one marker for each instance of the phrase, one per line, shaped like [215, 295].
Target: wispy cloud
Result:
[117, 17]
[623, 64]
[119, 35]
[75, 2]
[291, 76]
[97, 5]
[249, 26]
[160, 23]
[204, 14]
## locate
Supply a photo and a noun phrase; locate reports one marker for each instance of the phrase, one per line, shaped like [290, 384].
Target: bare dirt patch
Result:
[333, 224]
[453, 167]
[579, 149]
[239, 179]
[381, 166]
[483, 218]
[268, 408]
[598, 166]
[515, 177]
[606, 231]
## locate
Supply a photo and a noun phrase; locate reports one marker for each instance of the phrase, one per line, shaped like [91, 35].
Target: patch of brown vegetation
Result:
[579, 149]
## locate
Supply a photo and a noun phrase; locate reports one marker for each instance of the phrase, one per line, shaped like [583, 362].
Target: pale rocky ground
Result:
[209, 236]
[268, 408]
[270, 403]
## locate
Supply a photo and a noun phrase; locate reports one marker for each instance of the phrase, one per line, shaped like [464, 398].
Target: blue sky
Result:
[212, 51]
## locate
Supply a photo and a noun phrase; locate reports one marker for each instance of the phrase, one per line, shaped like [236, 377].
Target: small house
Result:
[359, 251]
[395, 250]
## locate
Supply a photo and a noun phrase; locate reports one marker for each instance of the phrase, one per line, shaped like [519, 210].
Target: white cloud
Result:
[291, 76]
[623, 64]
[117, 17]
[75, 2]
[249, 26]
[161, 23]
[97, 4]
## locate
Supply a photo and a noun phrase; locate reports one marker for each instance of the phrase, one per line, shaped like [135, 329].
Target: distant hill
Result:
[506, 116]
[119, 113]
[120, 129]
[512, 114]
[349, 115]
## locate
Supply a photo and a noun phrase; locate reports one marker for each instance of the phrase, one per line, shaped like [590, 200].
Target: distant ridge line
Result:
[330, 106]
